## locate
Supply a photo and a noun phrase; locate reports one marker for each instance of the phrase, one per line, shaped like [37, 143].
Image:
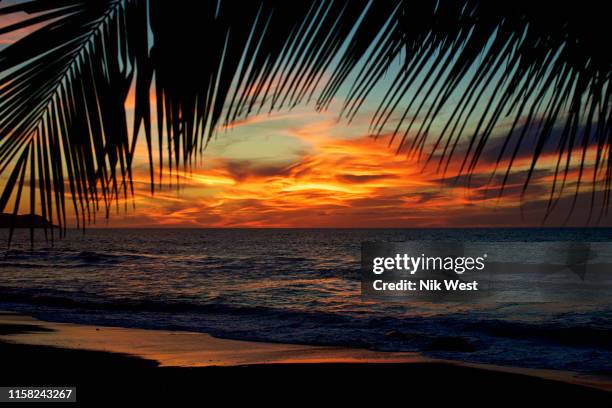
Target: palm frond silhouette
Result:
[465, 66]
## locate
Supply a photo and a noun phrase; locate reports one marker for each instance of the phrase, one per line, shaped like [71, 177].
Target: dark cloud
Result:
[483, 180]
[423, 198]
[355, 178]
[500, 140]
[526, 148]
[243, 169]
[390, 201]
[509, 191]
[534, 213]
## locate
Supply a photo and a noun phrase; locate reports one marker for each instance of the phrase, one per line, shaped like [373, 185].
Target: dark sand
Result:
[103, 378]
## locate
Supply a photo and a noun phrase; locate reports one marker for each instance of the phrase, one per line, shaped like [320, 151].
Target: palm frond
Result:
[226, 59]
[466, 66]
[544, 66]
[62, 105]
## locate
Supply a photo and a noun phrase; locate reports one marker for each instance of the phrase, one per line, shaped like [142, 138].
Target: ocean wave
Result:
[66, 258]
[83, 302]
[50, 259]
[561, 333]
[406, 331]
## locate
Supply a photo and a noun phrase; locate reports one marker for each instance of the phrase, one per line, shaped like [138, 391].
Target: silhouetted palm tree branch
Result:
[465, 68]
[520, 50]
[62, 101]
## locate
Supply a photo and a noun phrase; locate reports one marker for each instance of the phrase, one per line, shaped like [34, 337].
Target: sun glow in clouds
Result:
[307, 169]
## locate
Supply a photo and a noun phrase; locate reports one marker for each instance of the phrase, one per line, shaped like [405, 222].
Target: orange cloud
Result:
[338, 182]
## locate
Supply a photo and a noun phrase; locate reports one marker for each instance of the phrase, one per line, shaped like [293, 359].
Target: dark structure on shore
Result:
[23, 221]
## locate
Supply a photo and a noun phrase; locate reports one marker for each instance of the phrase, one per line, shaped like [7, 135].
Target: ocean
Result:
[295, 286]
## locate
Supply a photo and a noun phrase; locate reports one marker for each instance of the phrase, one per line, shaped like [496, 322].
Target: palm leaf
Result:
[466, 66]
[546, 66]
[62, 105]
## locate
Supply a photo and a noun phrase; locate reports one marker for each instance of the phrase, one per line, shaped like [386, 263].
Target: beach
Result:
[109, 364]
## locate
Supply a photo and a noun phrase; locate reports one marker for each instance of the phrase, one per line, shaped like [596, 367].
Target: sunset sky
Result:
[302, 168]
[306, 169]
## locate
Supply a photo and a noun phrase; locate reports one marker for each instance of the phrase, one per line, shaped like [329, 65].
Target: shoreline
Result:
[192, 350]
[171, 348]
